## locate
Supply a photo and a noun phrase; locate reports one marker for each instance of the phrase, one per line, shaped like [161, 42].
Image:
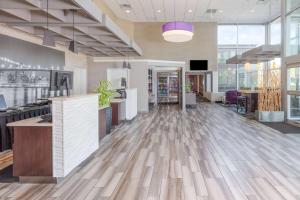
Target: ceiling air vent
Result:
[262, 1]
[211, 11]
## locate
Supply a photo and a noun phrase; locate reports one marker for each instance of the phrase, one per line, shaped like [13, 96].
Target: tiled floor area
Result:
[208, 153]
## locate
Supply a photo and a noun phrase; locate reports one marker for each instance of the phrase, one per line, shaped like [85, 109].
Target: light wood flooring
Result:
[208, 153]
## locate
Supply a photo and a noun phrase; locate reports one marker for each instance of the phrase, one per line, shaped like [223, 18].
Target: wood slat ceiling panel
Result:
[31, 16]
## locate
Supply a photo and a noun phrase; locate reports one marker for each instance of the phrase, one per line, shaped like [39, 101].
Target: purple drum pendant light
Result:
[178, 31]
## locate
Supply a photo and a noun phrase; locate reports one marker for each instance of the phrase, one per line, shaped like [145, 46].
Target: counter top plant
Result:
[105, 93]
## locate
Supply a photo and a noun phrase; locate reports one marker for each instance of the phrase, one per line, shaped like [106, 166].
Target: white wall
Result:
[115, 76]
[203, 46]
[138, 76]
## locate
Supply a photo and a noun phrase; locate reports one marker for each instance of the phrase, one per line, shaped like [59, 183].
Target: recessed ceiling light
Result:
[252, 10]
[159, 11]
[220, 11]
[190, 10]
[126, 7]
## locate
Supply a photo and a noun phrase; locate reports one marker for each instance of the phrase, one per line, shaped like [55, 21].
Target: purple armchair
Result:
[231, 96]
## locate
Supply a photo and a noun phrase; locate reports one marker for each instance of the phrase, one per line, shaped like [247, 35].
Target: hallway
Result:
[208, 153]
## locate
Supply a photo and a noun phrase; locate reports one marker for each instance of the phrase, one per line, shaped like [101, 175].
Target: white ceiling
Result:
[230, 11]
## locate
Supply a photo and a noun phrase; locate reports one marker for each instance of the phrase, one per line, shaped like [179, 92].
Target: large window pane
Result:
[227, 78]
[251, 35]
[292, 4]
[227, 34]
[275, 32]
[294, 108]
[293, 33]
[234, 40]
[294, 79]
[225, 53]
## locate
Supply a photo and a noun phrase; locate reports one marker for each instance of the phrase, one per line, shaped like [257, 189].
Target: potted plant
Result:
[105, 95]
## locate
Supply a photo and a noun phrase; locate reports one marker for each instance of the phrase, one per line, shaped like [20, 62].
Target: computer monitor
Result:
[61, 80]
[3, 105]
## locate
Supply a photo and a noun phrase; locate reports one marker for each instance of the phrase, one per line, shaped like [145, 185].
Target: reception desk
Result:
[50, 151]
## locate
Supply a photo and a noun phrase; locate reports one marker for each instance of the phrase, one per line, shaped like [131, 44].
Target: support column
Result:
[283, 54]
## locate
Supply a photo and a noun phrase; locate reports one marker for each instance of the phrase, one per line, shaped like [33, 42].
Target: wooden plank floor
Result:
[208, 153]
[6, 159]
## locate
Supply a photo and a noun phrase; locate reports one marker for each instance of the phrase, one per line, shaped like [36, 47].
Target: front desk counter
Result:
[48, 152]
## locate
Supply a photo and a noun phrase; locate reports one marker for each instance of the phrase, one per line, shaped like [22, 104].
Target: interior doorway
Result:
[195, 83]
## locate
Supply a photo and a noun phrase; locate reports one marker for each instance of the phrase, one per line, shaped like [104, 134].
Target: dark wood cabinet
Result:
[32, 151]
[115, 113]
[105, 121]
[102, 123]
[118, 111]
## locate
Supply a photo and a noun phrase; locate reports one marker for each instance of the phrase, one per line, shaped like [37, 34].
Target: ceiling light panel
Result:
[233, 10]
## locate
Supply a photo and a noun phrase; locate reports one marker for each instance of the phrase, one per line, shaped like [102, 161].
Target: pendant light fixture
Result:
[73, 45]
[177, 31]
[48, 39]
[128, 65]
[124, 64]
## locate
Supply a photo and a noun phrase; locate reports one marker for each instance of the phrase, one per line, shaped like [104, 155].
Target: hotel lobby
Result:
[150, 99]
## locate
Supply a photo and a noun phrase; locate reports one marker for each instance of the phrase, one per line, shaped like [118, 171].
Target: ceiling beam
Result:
[22, 14]
[36, 3]
[33, 5]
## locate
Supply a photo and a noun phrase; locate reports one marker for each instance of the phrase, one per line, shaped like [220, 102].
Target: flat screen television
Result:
[198, 65]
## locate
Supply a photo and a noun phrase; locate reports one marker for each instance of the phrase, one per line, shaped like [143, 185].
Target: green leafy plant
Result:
[188, 87]
[105, 93]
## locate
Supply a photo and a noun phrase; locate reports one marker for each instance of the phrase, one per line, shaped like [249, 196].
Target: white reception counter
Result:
[60, 146]
[75, 131]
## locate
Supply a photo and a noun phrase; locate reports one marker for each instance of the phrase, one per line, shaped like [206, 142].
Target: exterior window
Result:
[293, 97]
[227, 78]
[294, 107]
[292, 4]
[294, 79]
[251, 35]
[234, 40]
[293, 33]
[227, 35]
[275, 32]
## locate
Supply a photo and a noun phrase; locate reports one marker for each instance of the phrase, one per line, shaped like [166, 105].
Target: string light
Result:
[10, 64]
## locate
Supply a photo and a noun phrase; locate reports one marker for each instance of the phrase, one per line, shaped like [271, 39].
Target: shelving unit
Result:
[168, 87]
[150, 81]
